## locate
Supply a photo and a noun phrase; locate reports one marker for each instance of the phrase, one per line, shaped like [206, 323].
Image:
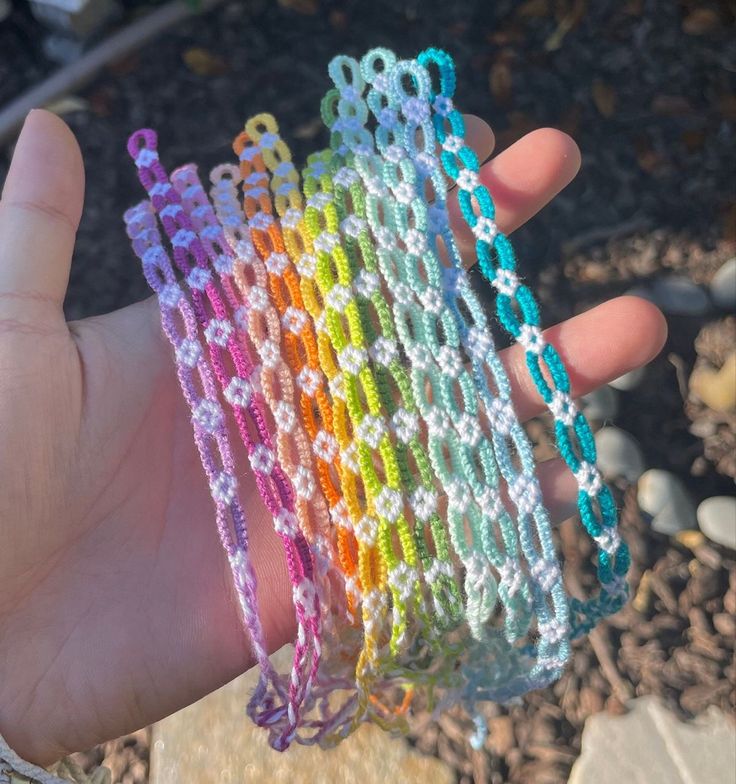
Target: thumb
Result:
[39, 215]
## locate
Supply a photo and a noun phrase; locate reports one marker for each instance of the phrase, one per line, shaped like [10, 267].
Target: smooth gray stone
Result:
[663, 496]
[601, 404]
[676, 295]
[619, 454]
[723, 286]
[717, 519]
[629, 380]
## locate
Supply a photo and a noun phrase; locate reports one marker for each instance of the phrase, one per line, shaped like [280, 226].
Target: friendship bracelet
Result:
[316, 403]
[213, 445]
[399, 458]
[497, 263]
[358, 521]
[523, 488]
[422, 316]
[272, 482]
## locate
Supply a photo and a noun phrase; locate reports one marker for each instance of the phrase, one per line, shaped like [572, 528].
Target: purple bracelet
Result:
[274, 487]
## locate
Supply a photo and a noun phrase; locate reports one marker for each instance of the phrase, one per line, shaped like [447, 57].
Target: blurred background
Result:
[648, 90]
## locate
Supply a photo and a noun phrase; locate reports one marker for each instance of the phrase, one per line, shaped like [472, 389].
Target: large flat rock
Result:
[650, 745]
[214, 742]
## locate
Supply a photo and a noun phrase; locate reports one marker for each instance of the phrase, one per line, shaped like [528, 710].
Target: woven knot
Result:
[353, 359]
[262, 459]
[402, 578]
[423, 503]
[276, 263]
[188, 352]
[285, 416]
[285, 523]
[563, 407]
[371, 430]
[294, 320]
[388, 504]
[405, 424]
[384, 351]
[270, 354]
[468, 429]
[209, 415]
[432, 300]
[546, 573]
[589, 479]
[309, 380]
[450, 361]
[238, 392]
[324, 446]
[218, 332]
[366, 530]
[257, 299]
[223, 488]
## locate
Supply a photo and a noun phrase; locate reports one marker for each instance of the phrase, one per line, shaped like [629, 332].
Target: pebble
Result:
[629, 380]
[717, 519]
[601, 404]
[619, 455]
[663, 496]
[716, 388]
[723, 286]
[676, 295]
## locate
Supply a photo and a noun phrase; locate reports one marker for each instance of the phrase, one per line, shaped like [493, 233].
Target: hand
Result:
[115, 604]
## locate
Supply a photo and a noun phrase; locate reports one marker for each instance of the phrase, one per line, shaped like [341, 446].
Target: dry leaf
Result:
[694, 139]
[308, 129]
[727, 106]
[568, 15]
[533, 9]
[729, 224]
[604, 98]
[500, 82]
[701, 21]
[634, 8]
[203, 63]
[671, 105]
[647, 157]
[570, 119]
[67, 105]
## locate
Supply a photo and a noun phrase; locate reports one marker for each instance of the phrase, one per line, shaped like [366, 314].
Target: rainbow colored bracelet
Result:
[329, 316]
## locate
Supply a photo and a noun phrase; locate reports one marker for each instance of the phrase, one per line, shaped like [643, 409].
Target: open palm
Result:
[115, 606]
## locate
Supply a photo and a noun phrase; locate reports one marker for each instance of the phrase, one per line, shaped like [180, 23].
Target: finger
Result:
[596, 347]
[479, 136]
[39, 214]
[559, 489]
[521, 180]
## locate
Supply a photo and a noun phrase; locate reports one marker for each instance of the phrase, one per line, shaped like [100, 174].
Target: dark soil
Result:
[648, 90]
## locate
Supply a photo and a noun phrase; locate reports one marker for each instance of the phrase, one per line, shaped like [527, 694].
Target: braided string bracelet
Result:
[225, 179]
[360, 228]
[497, 263]
[441, 369]
[316, 401]
[199, 388]
[300, 343]
[339, 646]
[272, 483]
[552, 649]
[273, 144]
[359, 524]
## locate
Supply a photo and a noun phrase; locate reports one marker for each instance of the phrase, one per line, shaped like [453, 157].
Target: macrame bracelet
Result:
[497, 263]
[288, 202]
[225, 350]
[399, 459]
